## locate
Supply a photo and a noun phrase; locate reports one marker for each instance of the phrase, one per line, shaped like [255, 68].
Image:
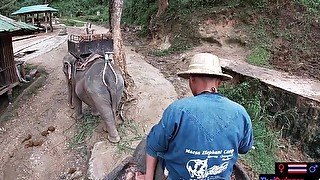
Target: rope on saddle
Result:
[82, 65]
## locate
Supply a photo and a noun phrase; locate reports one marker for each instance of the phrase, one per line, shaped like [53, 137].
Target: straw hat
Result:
[204, 63]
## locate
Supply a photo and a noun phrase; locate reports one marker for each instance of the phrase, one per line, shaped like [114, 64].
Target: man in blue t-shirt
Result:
[200, 137]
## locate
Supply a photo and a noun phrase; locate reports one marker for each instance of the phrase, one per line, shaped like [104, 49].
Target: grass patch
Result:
[249, 94]
[174, 49]
[71, 22]
[129, 131]
[259, 56]
[85, 129]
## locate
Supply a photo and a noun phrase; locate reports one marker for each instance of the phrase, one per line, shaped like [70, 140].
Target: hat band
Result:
[204, 69]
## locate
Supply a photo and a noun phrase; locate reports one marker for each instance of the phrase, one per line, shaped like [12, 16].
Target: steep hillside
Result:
[283, 35]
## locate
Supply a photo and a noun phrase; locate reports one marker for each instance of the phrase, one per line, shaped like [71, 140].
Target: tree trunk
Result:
[162, 7]
[119, 55]
[111, 14]
[157, 27]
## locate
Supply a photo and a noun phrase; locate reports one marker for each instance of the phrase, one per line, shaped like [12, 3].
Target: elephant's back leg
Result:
[82, 91]
[102, 104]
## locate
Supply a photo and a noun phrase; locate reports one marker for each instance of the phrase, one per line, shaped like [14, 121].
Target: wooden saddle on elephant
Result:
[89, 47]
[82, 64]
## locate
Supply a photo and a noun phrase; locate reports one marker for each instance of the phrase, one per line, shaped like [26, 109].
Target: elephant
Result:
[98, 83]
[128, 167]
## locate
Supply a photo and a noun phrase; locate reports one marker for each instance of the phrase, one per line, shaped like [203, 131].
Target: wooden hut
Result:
[34, 12]
[9, 28]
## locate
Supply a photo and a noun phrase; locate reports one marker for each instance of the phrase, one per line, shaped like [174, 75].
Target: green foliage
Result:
[194, 4]
[259, 56]
[249, 94]
[73, 8]
[313, 6]
[9, 6]
[139, 12]
[130, 132]
[175, 48]
[71, 22]
[85, 129]
[252, 95]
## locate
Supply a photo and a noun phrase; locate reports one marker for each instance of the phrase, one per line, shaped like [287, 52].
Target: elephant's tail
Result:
[111, 91]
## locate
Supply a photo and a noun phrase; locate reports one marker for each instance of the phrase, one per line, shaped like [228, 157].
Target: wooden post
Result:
[50, 21]
[10, 96]
[32, 19]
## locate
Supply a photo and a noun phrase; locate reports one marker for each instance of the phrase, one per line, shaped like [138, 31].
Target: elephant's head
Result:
[68, 66]
[68, 69]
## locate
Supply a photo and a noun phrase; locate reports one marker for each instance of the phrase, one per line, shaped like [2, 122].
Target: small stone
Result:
[2, 129]
[51, 128]
[29, 144]
[38, 143]
[76, 175]
[63, 176]
[72, 170]
[28, 137]
[11, 154]
[44, 133]
[33, 73]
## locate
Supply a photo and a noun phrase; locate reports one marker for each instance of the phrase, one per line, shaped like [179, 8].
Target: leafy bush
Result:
[259, 56]
[249, 94]
[139, 12]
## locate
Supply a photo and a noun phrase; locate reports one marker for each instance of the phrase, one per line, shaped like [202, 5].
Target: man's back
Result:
[200, 137]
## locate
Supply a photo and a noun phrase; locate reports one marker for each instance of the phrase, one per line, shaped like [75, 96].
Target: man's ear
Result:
[192, 79]
[219, 81]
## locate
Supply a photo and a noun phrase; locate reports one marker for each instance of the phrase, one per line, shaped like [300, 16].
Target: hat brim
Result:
[187, 74]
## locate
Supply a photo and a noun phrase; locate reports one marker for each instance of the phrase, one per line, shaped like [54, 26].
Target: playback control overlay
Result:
[294, 171]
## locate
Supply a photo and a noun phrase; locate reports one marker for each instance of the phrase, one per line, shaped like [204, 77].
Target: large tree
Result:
[119, 55]
[162, 7]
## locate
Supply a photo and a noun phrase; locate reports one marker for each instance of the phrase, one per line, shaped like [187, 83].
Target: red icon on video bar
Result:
[281, 168]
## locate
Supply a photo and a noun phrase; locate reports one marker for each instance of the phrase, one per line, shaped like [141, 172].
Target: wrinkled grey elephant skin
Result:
[135, 164]
[129, 166]
[88, 86]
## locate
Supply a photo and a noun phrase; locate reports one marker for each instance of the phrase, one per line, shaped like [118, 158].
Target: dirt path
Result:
[153, 92]
[48, 107]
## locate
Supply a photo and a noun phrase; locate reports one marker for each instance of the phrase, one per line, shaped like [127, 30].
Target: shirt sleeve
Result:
[247, 140]
[161, 133]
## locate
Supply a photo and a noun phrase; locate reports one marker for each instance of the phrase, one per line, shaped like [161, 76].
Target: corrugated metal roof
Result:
[10, 25]
[35, 9]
